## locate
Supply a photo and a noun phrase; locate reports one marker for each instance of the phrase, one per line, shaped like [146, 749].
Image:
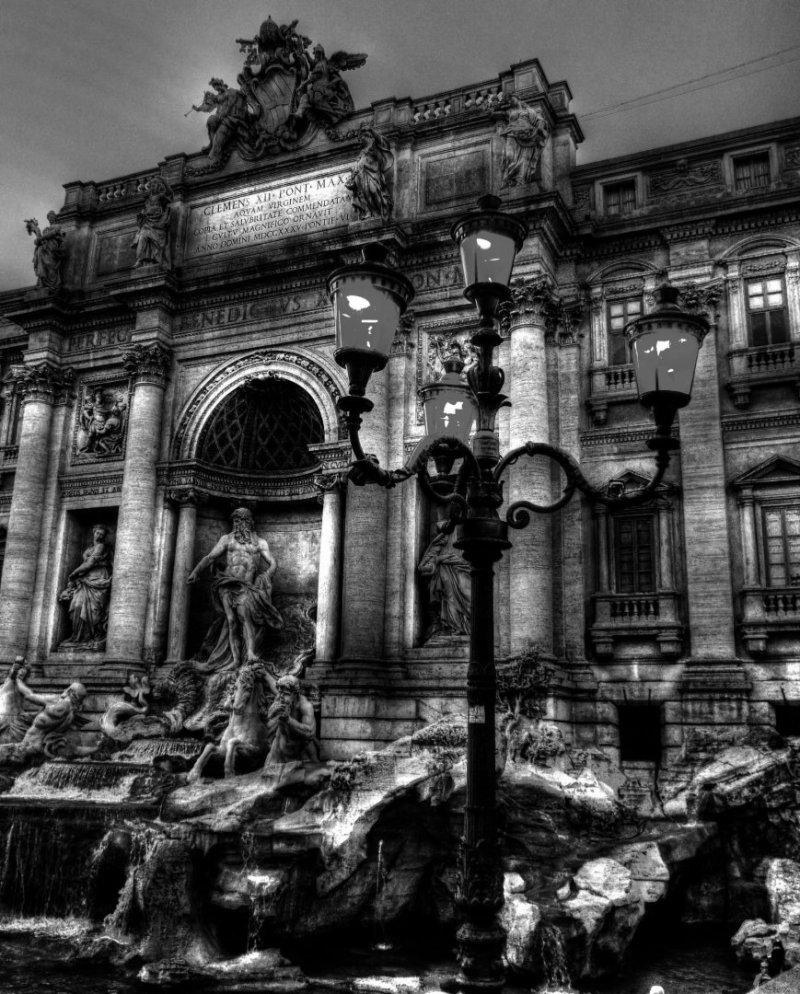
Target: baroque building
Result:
[175, 362]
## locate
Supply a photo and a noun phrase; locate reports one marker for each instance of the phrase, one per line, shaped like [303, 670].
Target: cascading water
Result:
[381, 941]
[553, 959]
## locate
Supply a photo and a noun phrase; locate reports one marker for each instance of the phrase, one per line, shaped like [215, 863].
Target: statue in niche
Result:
[47, 735]
[371, 179]
[228, 109]
[49, 251]
[88, 592]
[152, 239]
[101, 423]
[449, 587]
[291, 727]
[525, 132]
[242, 595]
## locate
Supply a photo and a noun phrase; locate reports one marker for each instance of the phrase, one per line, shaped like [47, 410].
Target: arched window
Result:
[265, 427]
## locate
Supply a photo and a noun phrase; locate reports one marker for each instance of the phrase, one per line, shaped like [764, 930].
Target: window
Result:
[782, 545]
[787, 720]
[751, 172]
[634, 547]
[620, 198]
[639, 732]
[766, 312]
[620, 314]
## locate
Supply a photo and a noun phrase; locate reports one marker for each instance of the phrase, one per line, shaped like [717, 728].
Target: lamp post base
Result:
[480, 957]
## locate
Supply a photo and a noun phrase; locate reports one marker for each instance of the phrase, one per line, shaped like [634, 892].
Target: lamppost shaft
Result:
[481, 939]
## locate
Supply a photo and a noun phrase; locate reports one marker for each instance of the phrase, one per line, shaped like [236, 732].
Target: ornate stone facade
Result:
[194, 324]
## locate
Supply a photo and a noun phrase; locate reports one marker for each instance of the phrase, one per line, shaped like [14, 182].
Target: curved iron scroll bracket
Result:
[517, 515]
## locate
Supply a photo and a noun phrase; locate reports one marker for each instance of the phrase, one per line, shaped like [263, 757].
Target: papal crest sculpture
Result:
[286, 93]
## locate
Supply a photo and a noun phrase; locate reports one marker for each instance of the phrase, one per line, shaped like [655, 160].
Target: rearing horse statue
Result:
[246, 733]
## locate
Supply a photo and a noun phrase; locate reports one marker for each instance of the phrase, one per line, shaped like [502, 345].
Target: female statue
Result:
[88, 592]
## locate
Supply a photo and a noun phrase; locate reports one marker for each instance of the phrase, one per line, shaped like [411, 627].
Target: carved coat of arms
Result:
[285, 94]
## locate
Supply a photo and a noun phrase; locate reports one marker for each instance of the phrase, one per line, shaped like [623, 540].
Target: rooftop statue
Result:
[88, 592]
[152, 242]
[285, 94]
[48, 253]
[370, 183]
[526, 133]
[242, 594]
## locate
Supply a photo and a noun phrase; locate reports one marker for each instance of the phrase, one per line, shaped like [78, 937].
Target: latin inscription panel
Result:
[254, 216]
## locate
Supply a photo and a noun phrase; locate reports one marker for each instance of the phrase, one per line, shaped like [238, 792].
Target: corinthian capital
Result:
[43, 382]
[702, 298]
[532, 301]
[147, 363]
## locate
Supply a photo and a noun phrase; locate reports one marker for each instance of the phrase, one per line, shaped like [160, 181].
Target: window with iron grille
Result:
[620, 198]
[634, 553]
[264, 427]
[619, 314]
[782, 545]
[751, 172]
[767, 315]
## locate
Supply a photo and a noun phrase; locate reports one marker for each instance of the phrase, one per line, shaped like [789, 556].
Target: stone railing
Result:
[608, 385]
[760, 366]
[8, 456]
[641, 617]
[129, 188]
[456, 102]
[770, 612]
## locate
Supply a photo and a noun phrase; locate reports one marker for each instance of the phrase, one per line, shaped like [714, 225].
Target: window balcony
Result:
[770, 613]
[610, 385]
[623, 619]
[8, 456]
[762, 366]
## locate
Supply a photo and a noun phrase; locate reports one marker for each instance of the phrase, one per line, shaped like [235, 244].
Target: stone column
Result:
[603, 567]
[364, 565]
[531, 558]
[187, 499]
[747, 518]
[329, 581]
[147, 365]
[41, 386]
[666, 556]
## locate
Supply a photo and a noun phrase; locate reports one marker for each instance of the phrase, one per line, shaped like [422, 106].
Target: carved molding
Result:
[241, 486]
[43, 383]
[147, 364]
[101, 485]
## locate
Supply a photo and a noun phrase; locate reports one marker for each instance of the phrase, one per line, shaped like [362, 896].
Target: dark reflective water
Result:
[30, 965]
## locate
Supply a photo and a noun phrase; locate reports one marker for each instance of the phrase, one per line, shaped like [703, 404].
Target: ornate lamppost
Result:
[368, 300]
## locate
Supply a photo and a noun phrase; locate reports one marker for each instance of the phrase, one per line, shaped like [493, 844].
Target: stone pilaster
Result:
[133, 561]
[364, 566]
[41, 386]
[569, 548]
[400, 581]
[187, 499]
[530, 560]
[333, 487]
[708, 565]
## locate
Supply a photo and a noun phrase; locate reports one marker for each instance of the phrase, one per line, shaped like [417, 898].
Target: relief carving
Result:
[682, 178]
[101, 423]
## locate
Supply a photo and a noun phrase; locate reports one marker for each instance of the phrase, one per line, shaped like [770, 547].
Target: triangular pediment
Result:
[634, 481]
[776, 469]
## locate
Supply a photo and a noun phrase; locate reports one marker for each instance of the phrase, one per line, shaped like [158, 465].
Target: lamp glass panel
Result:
[665, 359]
[449, 410]
[487, 257]
[367, 316]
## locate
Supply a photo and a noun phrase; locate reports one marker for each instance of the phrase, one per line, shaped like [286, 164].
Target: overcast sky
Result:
[95, 89]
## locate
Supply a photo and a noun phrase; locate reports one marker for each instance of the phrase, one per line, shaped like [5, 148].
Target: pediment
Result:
[775, 470]
[634, 481]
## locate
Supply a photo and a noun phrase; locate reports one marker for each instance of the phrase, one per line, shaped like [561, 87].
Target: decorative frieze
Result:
[88, 488]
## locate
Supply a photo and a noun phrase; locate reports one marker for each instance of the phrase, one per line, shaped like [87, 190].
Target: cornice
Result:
[734, 423]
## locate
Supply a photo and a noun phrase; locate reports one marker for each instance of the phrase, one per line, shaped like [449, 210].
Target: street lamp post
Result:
[369, 299]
